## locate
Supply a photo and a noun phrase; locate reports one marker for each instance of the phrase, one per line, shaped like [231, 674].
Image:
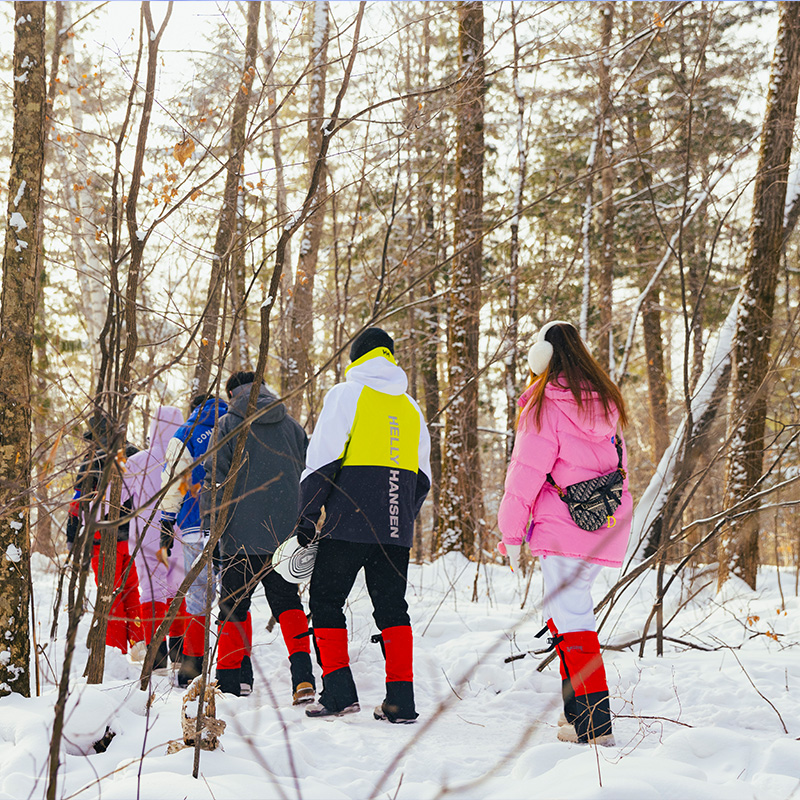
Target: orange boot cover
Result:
[194, 638]
[398, 646]
[331, 644]
[152, 616]
[580, 652]
[294, 627]
[232, 647]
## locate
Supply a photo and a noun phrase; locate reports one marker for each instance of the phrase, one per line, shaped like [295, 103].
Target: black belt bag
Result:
[592, 503]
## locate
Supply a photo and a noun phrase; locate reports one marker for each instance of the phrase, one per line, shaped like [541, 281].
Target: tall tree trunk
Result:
[301, 333]
[462, 515]
[239, 351]
[605, 350]
[281, 208]
[120, 392]
[429, 342]
[225, 238]
[17, 314]
[92, 273]
[43, 535]
[645, 253]
[750, 382]
[512, 355]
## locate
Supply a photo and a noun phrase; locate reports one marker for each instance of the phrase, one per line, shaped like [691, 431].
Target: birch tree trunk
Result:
[17, 314]
[226, 230]
[297, 368]
[751, 360]
[462, 515]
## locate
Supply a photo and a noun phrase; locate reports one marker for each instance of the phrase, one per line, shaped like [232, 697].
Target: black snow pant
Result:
[335, 570]
[241, 573]
[386, 572]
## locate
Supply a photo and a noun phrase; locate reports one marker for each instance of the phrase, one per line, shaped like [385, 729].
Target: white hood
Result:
[378, 373]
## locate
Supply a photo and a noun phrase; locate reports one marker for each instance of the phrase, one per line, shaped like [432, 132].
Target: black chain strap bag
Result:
[592, 503]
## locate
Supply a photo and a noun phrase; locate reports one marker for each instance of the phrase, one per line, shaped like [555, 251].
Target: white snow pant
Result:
[568, 592]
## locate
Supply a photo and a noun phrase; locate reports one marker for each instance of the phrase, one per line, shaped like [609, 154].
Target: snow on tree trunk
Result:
[667, 484]
[605, 350]
[297, 367]
[22, 240]
[226, 230]
[751, 358]
[462, 516]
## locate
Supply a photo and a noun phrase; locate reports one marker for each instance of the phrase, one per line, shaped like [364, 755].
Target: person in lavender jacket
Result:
[569, 419]
[141, 483]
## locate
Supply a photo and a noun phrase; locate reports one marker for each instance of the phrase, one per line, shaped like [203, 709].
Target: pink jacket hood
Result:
[572, 445]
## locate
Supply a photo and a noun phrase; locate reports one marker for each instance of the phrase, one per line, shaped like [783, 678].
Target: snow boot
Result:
[229, 681]
[303, 684]
[190, 668]
[247, 664]
[398, 646]
[193, 645]
[246, 677]
[161, 664]
[398, 707]
[339, 695]
[175, 649]
[294, 627]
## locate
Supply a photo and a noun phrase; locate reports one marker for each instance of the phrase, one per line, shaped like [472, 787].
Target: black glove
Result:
[167, 534]
[306, 532]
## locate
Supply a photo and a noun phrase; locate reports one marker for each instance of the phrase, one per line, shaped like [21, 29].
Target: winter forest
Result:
[198, 188]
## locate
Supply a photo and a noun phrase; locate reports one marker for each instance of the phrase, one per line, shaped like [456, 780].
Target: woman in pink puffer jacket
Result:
[569, 418]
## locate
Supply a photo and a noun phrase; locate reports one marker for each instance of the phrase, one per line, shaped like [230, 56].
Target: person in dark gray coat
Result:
[262, 515]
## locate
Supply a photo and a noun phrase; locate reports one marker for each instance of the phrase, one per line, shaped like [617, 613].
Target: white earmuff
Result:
[542, 351]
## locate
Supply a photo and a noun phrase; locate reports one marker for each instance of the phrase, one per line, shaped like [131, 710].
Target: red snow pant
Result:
[124, 620]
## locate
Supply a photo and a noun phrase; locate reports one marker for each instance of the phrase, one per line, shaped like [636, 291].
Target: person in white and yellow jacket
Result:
[368, 466]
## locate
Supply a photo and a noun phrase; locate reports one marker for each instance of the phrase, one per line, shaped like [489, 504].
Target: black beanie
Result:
[369, 340]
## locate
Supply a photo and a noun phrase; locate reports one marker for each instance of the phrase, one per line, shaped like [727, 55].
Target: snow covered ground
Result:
[692, 724]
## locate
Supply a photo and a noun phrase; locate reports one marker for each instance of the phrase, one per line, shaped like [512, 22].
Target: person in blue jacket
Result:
[180, 512]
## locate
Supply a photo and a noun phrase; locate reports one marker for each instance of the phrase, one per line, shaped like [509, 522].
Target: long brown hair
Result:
[572, 367]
